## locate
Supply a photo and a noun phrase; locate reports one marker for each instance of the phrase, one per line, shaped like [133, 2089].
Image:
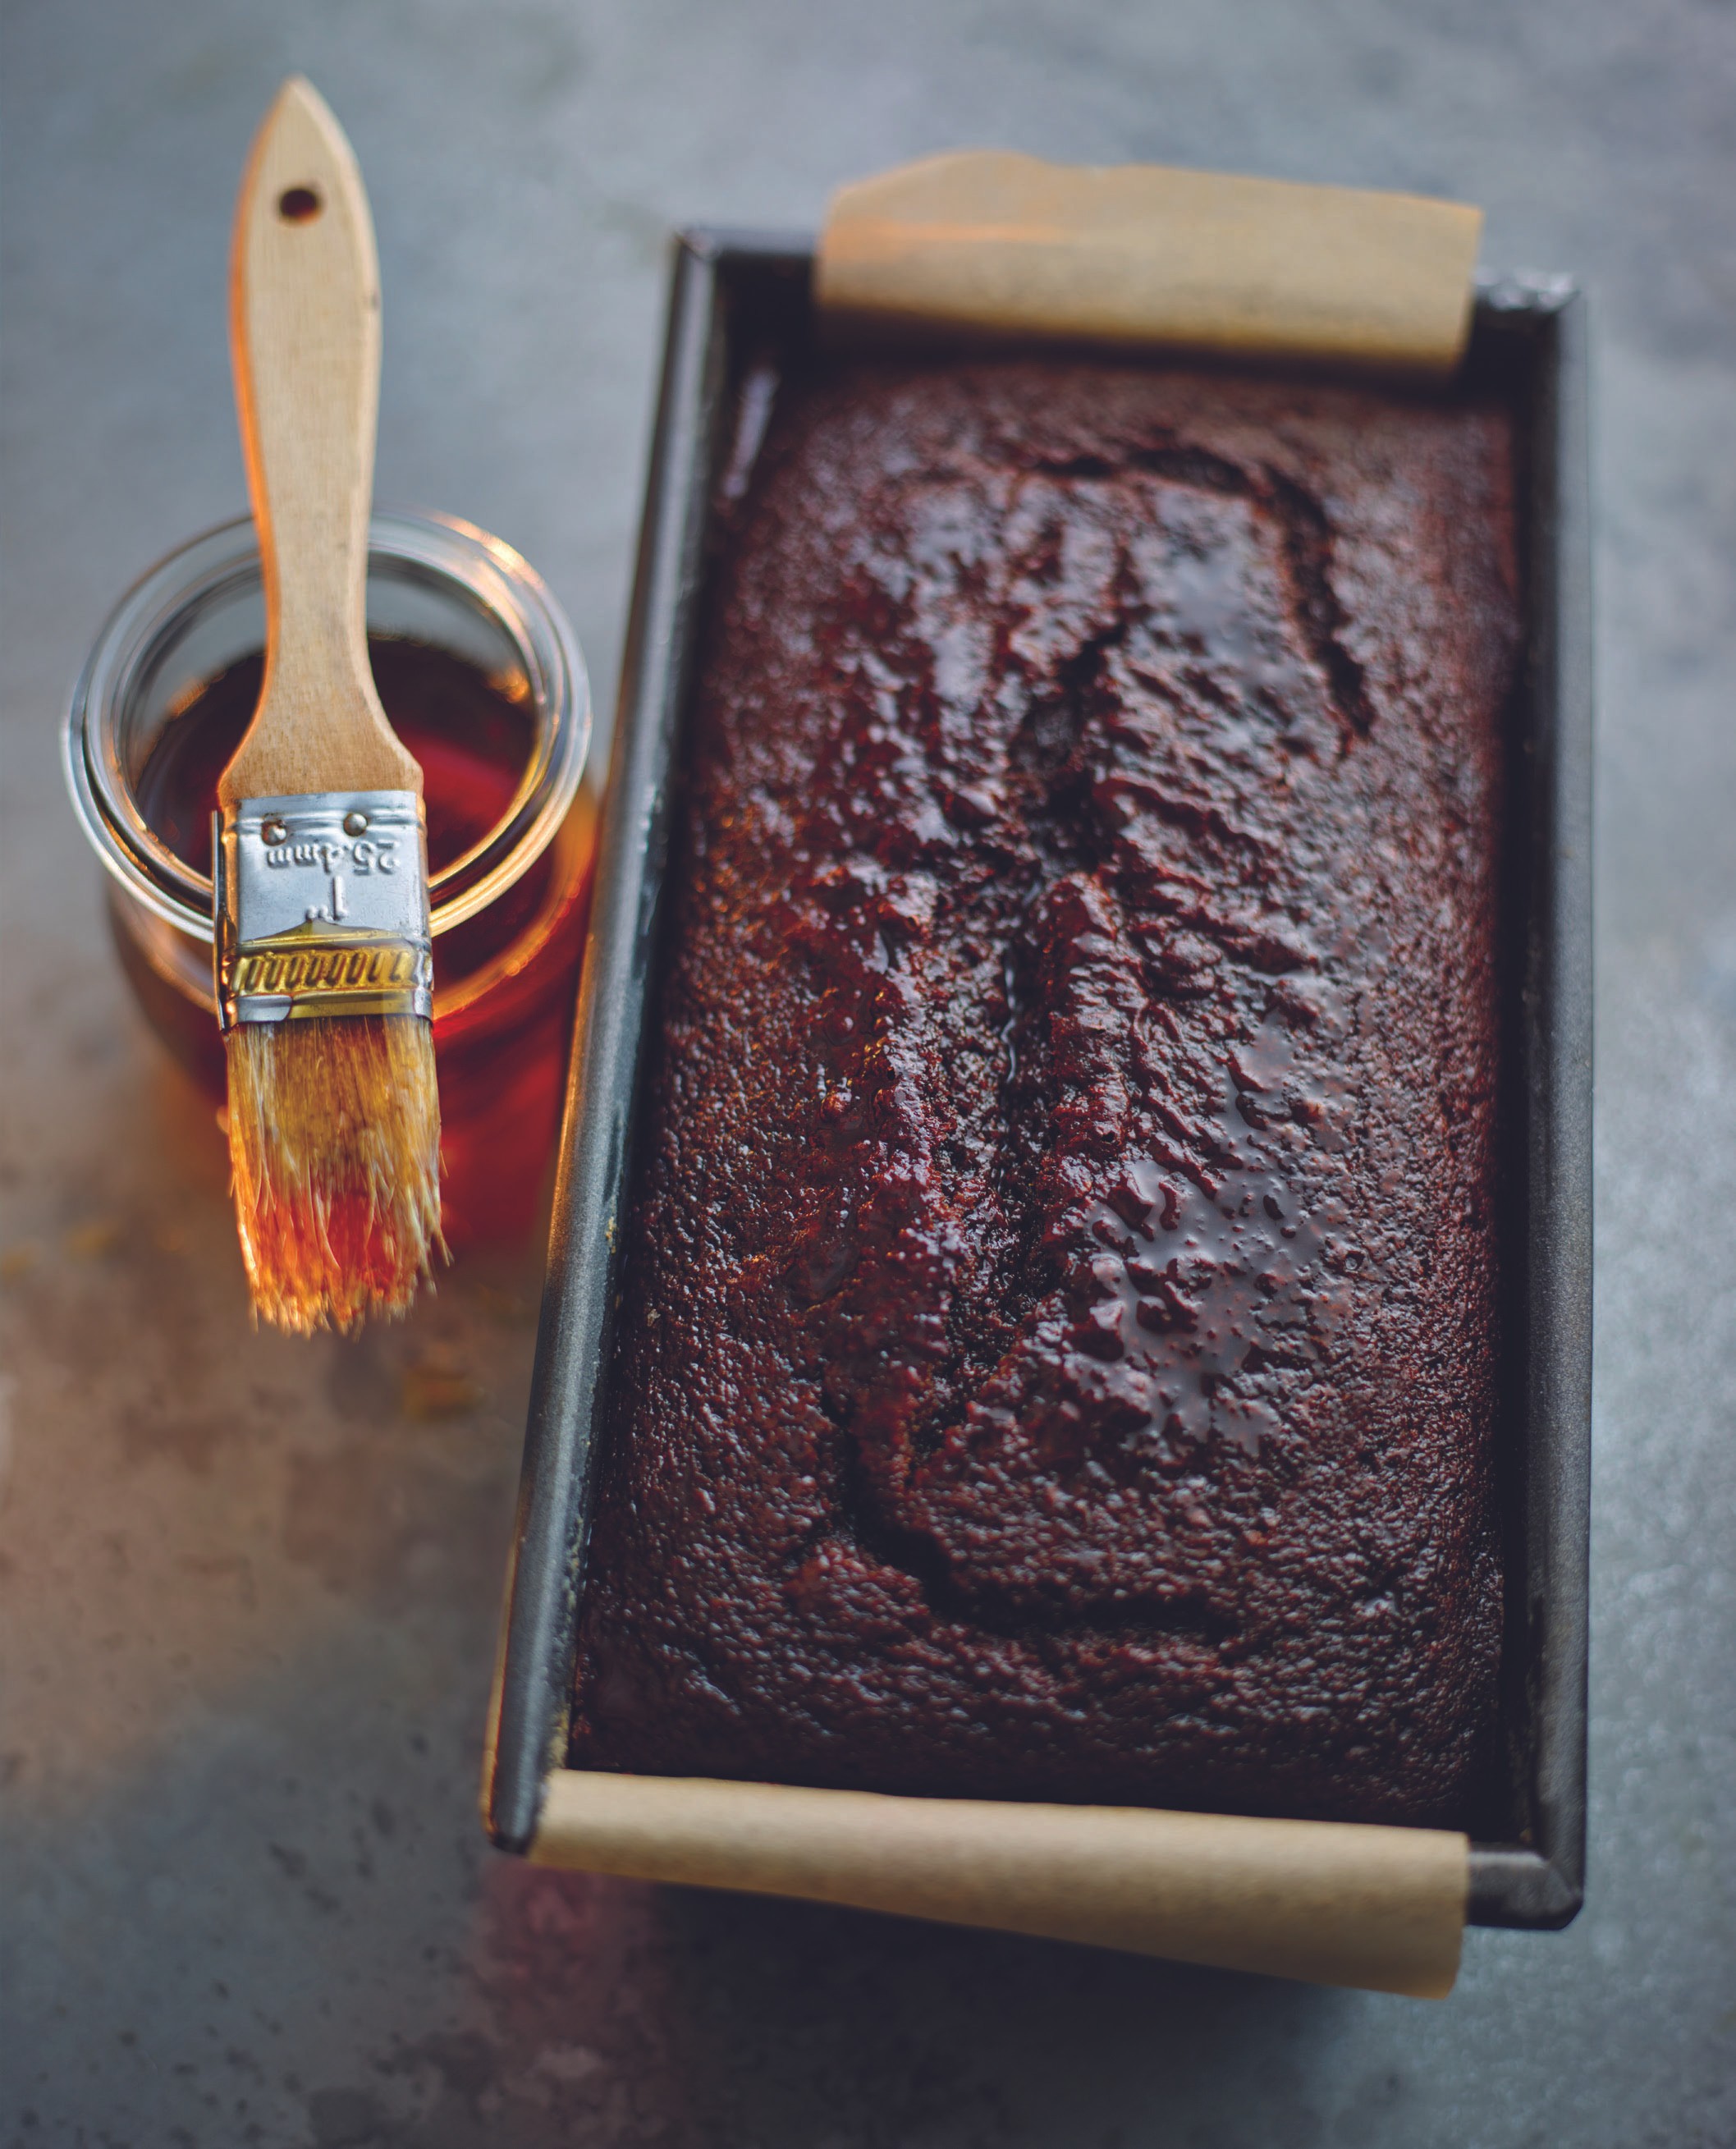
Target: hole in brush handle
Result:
[300, 204]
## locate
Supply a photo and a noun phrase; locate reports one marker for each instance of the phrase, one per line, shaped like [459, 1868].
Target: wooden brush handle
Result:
[304, 328]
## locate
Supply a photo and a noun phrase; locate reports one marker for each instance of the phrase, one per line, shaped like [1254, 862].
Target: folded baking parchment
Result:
[987, 243]
[1332, 1902]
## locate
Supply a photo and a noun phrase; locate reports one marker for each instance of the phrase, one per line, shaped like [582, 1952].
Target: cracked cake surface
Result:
[1057, 1350]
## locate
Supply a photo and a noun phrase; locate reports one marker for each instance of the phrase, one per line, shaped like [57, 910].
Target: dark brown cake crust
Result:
[1057, 1357]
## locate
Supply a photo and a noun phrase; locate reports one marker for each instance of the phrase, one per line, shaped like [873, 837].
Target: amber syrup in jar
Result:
[504, 980]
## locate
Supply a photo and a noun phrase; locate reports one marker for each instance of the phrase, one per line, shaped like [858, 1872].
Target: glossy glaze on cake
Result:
[1057, 1355]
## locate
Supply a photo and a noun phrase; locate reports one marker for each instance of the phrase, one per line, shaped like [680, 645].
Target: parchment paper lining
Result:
[1334, 1903]
[990, 244]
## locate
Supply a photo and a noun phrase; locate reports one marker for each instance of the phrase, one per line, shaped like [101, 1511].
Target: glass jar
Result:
[508, 911]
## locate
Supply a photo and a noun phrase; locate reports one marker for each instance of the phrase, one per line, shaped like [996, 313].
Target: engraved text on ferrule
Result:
[364, 855]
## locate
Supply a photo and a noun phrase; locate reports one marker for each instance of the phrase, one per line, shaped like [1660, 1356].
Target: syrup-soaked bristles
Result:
[335, 1147]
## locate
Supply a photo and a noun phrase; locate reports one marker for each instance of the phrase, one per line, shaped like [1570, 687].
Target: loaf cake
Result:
[1058, 1342]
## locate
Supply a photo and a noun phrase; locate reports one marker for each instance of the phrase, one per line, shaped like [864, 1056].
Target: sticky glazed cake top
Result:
[1057, 1349]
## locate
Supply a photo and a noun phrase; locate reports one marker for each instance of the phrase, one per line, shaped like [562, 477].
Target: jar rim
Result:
[423, 545]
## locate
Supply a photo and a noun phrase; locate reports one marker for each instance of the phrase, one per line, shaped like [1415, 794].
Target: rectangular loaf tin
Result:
[732, 292]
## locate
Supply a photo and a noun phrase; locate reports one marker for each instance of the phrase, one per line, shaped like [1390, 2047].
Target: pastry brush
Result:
[325, 977]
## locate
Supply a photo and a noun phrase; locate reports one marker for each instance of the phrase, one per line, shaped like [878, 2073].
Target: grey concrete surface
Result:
[249, 1602]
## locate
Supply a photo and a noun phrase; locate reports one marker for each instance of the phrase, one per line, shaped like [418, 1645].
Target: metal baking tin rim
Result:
[494, 575]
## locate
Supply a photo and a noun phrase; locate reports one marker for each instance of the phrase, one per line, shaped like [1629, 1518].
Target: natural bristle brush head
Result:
[325, 992]
[335, 1145]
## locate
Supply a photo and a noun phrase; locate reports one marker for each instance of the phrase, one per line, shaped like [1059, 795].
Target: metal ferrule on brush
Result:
[322, 907]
